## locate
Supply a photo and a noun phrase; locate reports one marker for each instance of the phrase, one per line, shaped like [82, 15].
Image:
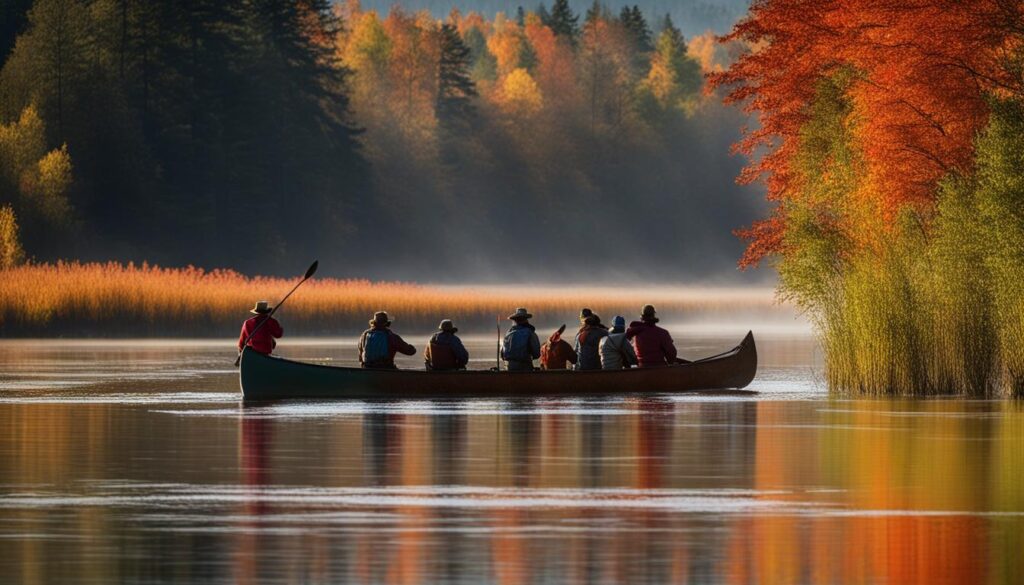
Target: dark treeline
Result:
[251, 133]
[693, 17]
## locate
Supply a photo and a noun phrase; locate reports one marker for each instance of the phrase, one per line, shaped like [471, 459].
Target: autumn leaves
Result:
[887, 140]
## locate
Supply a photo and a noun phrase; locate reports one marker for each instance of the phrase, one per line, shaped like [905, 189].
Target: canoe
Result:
[265, 377]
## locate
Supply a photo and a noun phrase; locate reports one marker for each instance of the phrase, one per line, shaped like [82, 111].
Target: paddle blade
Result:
[312, 269]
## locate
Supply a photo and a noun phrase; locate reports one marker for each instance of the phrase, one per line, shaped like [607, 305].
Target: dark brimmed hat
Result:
[381, 318]
[648, 313]
[261, 308]
[520, 313]
[447, 325]
[584, 313]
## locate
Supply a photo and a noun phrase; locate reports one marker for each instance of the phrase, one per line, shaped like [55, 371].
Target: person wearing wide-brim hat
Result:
[263, 340]
[379, 344]
[445, 350]
[521, 345]
[653, 344]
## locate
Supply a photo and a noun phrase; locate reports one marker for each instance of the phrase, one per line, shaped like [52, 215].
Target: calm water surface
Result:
[135, 462]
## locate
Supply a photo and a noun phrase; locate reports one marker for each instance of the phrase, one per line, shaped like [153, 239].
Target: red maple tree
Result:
[924, 69]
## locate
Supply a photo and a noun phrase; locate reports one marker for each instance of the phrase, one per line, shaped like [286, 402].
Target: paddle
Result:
[309, 272]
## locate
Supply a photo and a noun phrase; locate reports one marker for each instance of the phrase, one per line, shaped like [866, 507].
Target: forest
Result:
[257, 134]
[891, 142]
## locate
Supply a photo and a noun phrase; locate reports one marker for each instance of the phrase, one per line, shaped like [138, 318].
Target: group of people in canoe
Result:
[597, 347]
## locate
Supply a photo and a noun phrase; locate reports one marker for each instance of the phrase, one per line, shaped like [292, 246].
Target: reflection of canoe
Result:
[271, 378]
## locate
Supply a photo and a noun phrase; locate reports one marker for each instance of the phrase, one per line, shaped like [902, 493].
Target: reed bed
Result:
[113, 299]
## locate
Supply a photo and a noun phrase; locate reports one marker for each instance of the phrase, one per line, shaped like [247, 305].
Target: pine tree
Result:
[563, 22]
[597, 11]
[543, 14]
[527, 55]
[455, 87]
[520, 17]
[634, 21]
[304, 159]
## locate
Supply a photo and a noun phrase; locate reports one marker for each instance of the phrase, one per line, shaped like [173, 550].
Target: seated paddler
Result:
[445, 351]
[588, 341]
[379, 344]
[557, 354]
[261, 330]
[653, 344]
[521, 345]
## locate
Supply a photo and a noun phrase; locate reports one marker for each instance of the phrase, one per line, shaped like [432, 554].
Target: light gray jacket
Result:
[616, 352]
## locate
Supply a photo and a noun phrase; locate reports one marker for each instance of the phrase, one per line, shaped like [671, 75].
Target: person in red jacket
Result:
[653, 345]
[557, 353]
[263, 341]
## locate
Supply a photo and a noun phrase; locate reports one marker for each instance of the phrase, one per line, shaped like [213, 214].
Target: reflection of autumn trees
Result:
[885, 465]
[895, 461]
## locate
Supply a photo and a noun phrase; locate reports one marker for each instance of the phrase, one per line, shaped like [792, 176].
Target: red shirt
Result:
[263, 341]
[654, 346]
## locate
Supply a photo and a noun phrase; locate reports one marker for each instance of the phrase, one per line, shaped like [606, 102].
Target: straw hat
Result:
[261, 308]
[447, 325]
[520, 313]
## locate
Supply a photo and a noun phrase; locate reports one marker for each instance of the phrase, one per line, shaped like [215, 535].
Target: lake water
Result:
[135, 462]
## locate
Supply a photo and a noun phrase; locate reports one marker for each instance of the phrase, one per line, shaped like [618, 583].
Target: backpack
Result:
[377, 346]
[517, 345]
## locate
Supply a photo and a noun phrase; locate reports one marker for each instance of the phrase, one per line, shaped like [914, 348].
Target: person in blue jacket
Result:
[521, 345]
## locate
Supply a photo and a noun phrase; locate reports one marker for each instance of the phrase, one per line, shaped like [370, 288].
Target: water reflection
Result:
[617, 490]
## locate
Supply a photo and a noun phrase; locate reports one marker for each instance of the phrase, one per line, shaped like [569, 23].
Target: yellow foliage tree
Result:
[506, 46]
[520, 94]
[22, 144]
[368, 47]
[11, 253]
[33, 182]
[49, 186]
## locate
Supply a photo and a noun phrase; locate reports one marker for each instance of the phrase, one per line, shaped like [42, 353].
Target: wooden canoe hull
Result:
[272, 378]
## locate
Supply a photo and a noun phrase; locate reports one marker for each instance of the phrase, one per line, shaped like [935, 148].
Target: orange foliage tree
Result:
[923, 70]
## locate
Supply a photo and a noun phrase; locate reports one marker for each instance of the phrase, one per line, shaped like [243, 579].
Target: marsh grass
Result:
[936, 304]
[108, 299]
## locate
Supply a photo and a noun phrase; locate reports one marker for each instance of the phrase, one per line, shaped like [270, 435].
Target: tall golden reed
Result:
[102, 299]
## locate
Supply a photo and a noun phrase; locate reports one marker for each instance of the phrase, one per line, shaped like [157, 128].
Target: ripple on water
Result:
[123, 398]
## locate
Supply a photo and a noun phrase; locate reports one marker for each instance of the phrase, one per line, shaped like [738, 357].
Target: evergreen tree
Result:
[455, 93]
[307, 159]
[543, 14]
[520, 17]
[563, 22]
[527, 55]
[634, 21]
[597, 11]
[455, 87]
